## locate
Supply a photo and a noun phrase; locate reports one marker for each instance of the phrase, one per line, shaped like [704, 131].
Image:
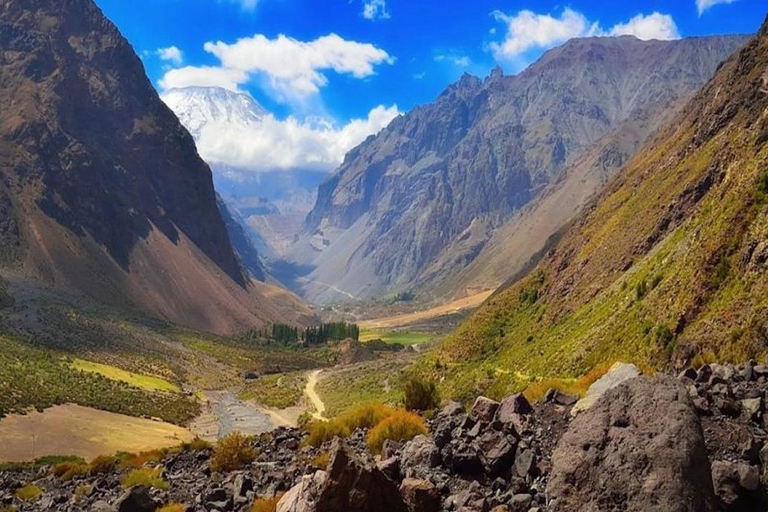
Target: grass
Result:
[366, 416]
[146, 382]
[278, 391]
[536, 391]
[28, 492]
[148, 477]
[405, 338]
[266, 504]
[49, 460]
[172, 507]
[401, 426]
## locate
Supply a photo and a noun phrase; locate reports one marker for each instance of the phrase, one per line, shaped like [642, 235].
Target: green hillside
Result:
[667, 265]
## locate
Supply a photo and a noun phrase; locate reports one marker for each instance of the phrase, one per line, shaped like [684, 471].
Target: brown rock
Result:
[420, 495]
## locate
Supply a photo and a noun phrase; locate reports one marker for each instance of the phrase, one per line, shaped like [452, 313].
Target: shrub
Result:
[172, 507]
[266, 504]
[323, 431]
[536, 391]
[102, 465]
[400, 426]
[320, 461]
[366, 416]
[148, 477]
[83, 490]
[130, 460]
[67, 471]
[28, 493]
[197, 445]
[420, 394]
[232, 453]
[641, 289]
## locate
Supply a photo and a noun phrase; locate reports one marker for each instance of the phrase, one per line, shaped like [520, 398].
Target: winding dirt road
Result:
[317, 403]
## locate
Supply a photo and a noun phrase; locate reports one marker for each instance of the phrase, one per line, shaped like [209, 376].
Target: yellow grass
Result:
[536, 391]
[28, 493]
[84, 432]
[400, 426]
[449, 308]
[266, 504]
[147, 382]
[148, 477]
[172, 507]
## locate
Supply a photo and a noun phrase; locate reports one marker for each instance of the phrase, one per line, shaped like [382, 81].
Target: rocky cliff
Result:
[417, 203]
[101, 188]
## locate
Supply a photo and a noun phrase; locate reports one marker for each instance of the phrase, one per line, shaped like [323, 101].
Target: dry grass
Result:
[232, 453]
[266, 504]
[400, 426]
[148, 477]
[365, 416]
[536, 391]
[130, 460]
[320, 461]
[102, 464]
[172, 507]
[67, 471]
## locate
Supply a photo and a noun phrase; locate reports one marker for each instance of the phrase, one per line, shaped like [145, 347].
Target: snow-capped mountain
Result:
[198, 106]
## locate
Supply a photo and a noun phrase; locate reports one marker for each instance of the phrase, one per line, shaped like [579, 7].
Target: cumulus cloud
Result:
[171, 54]
[703, 5]
[528, 30]
[272, 144]
[375, 10]
[204, 76]
[652, 26]
[294, 69]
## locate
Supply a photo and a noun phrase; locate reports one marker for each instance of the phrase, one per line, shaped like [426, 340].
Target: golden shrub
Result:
[232, 453]
[400, 426]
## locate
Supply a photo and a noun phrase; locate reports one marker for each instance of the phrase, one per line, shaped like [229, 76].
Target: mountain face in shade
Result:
[101, 188]
[668, 262]
[416, 204]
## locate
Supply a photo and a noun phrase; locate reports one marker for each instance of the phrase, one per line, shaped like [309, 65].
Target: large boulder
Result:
[639, 448]
[418, 456]
[420, 495]
[136, 499]
[619, 372]
[352, 484]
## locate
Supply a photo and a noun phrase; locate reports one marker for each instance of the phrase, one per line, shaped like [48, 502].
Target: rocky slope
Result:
[102, 190]
[666, 264]
[416, 204]
[692, 443]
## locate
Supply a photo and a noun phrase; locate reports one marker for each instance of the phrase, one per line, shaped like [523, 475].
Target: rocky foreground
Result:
[692, 443]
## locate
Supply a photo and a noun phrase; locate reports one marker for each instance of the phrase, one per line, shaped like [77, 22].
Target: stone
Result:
[728, 407]
[452, 409]
[484, 409]
[136, 499]
[520, 502]
[471, 499]
[704, 373]
[390, 467]
[390, 448]
[420, 495]
[560, 398]
[689, 373]
[735, 483]
[495, 451]
[525, 462]
[618, 373]
[352, 484]
[241, 485]
[420, 453]
[752, 408]
[640, 444]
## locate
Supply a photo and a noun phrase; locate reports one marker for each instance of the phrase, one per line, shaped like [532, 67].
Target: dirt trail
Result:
[313, 396]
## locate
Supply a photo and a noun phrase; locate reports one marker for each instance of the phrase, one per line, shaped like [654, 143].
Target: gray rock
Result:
[418, 455]
[619, 372]
[135, 499]
[484, 409]
[496, 451]
[639, 448]
[735, 483]
[420, 495]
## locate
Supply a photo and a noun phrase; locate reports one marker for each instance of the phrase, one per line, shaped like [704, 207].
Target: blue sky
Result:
[383, 52]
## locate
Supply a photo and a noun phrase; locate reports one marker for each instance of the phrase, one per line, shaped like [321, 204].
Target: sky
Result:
[325, 66]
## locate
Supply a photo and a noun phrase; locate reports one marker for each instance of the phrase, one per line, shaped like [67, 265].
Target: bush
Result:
[67, 471]
[172, 507]
[131, 460]
[366, 416]
[641, 289]
[83, 490]
[28, 493]
[102, 465]
[401, 426]
[197, 445]
[321, 432]
[148, 477]
[266, 504]
[232, 453]
[421, 395]
[536, 391]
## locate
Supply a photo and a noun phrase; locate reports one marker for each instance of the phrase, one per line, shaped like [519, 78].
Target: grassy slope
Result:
[147, 382]
[405, 338]
[667, 264]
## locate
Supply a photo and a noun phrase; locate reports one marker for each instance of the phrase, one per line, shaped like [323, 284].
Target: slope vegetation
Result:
[666, 265]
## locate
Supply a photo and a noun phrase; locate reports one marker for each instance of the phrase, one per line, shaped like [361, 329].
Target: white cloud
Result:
[375, 10]
[205, 76]
[652, 26]
[703, 5]
[247, 5]
[461, 61]
[528, 30]
[274, 144]
[171, 54]
[293, 68]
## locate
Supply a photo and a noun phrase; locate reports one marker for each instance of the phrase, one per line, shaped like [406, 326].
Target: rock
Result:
[640, 447]
[462, 459]
[520, 502]
[495, 451]
[704, 373]
[391, 468]
[389, 448]
[135, 499]
[752, 408]
[560, 398]
[688, 373]
[419, 454]
[525, 462]
[351, 484]
[484, 409]
[446, 421]
[471, 499]
[728, 407]
[452, 409]
[242, 485]
[619, 372]
[420, 495]
[511, 413]
[735, 483]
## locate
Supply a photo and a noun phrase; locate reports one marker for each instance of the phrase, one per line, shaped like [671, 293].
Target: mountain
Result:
[665, 267]
[102, 192]
[413, 206]
[244, 246]
[197, 107]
